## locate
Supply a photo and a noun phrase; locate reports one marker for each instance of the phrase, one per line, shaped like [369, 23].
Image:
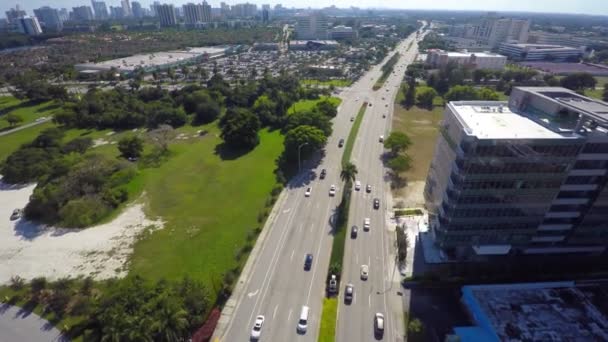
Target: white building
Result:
[477, 60]
[342, 32]
[564, 39]
[539, 52]
[29, 26]
[525, 177]
[311, 26]
[491, 31]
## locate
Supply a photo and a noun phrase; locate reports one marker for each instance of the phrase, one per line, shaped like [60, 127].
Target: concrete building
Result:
[490, 32]
[341, 32]
[100, 9]
[49, 19]
[207, 17]
[137, 10]
[311, 26]
[82, 13]
[478, 60]
[116, 12]
[265, 13]
[166, 14]
[539, 52]
[193, 13]
[126, 8]
[563, 39]
[555, 311]
[13, 14]
[525, 177]
[313, 45]
[29, 26]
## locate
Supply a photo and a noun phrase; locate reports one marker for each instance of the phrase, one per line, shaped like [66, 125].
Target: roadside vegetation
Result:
[327, 83]
[327, 331]
[387, 69]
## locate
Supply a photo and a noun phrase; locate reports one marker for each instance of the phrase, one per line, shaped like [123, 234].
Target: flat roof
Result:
[549, 47]
[494, 120]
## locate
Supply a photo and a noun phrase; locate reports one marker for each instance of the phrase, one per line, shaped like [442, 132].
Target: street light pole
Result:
[299, 165]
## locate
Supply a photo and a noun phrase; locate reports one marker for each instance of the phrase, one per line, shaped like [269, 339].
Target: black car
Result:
[341, 143]
[308, 261]
[323, 173]
[353, 232]
[376, 203]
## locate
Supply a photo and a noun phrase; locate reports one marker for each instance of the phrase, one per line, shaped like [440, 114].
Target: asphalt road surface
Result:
[18, 325]
[376, 247]
[277, 286]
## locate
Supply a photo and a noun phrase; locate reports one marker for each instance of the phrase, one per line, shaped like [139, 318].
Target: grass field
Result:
[335, 83]
[352, 135]
[594, 93]
[307, 105]
[11, 142]
[28, 112]
[327, 331]
[209, 206]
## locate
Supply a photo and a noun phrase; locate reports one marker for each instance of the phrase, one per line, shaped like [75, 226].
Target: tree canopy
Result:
[240, 128]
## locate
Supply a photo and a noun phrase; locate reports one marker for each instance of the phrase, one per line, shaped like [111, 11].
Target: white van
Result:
[303, 322]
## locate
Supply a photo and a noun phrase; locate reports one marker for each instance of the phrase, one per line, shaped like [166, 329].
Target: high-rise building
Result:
[116, 12]
[265, 13]
[126, 8]
[193, 13]
[153, 8]
[493, 31]
[311, 26]
[225, 10]
[82, 13]
[64, 15]
[206, 12]
[526, 177]
[49, 19]
[137, 10]
[13, 14]
[166, 14]
[29, 26]
[100, 9]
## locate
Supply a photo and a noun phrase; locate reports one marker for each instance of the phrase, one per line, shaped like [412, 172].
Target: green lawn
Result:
[28, 112]
[327, 331]
[352, 135]
[307, 105]
[11, 142]
[594, 93]
[335, 83]
[209, 206]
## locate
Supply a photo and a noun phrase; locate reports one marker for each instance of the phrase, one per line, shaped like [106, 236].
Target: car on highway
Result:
[16, 214]
[332, 190]
[352, 118]
[349, 293]
[353, 232]
[368, 188]
[379, 325]
[256, 331]
[376, 203]
[370, 104]
[307, 193]
[308, 262]
[357, 185]
[381, 139]
[364, 272]
[323, 174]
[341, 143]
[367, 223]
[303, 321]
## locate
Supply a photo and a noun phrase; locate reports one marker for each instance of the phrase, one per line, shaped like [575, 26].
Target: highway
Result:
[274, 282]
[376, 247]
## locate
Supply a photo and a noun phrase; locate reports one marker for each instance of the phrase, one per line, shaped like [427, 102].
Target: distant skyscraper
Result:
[29, 26]
[116, 12]
[311, 26]
[15, 13]
[265, 13]
[136, 9]
[193, 13]
[166, 14]
[206, 12]
[49, 18]
[82, 13]
[225, 10]
[101, 11]
[64, 15]
[126, 8]
[153, 8]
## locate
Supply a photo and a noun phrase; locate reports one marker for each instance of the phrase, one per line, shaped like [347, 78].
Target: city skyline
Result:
[580, 7]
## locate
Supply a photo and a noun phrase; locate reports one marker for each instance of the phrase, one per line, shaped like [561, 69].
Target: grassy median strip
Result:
[350, 142]
[387, 68]
[327, 332]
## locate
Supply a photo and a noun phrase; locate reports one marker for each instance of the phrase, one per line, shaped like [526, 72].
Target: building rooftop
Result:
[540, 46]
[467, 54]
[494, 120]
[559, 311]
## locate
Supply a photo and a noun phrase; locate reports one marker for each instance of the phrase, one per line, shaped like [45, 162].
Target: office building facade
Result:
[136, 10]
[342, 32]
[311, 26]
[100, 9]
[29, 26]
[82, 13]
[539, 52]
[479, 60]
[525, 177]
[49, 19]
[166, 14]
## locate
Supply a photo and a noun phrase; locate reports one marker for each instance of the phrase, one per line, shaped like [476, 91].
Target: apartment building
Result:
[524, 177]
[342, 32]
[49, 18]
[489, 32]
[478, 60]
[311, 26]
[166, 15]
[539, 52]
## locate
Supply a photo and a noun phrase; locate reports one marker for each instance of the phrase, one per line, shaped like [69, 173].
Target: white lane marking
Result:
[312, 227]
[274, 313]
[369, 300]
[300, 227]
[314, 271]
[318, 205]
[289, 316]
[286, 210]
[292, 253]
[251, 294]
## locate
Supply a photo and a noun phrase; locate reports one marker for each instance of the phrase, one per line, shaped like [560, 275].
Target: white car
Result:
[366, 223]
[332, 190]
[307, 193]
[357, 185]
[379, 324]
[257, 327]
[381, 138]
[364, 272]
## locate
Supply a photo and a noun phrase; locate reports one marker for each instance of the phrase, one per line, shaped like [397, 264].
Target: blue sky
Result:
[563, 6]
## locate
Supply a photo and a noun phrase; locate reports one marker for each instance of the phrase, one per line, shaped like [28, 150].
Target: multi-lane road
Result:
[275, 283]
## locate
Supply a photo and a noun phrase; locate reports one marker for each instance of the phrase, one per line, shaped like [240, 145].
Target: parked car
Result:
[353, 232]
[341, 143]
[16, 214]
[349, 292]
[256, 331]
[332, 190]
[323, 173]
[379, 325]
[307, 193]
[308, 261]
[364, 272]
[376, 203]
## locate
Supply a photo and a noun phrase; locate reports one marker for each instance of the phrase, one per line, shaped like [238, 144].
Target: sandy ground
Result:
[411, 196]
[30, 250]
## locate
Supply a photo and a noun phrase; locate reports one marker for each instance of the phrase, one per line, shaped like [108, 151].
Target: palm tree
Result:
[171, 322]
[349, 172]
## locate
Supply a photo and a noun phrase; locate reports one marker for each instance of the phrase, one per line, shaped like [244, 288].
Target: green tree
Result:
[461, 93]
[578, 81]
[266, 110]
[410, 93]
[400, 163]
[397, 142]
[605, 94]
[314, 118]
[326, 108]
[425, 97]
[240, 128]
[131, 147]
[206, 112]
[349, 172]
[309, 135]
[487, 94]
[13, 119]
